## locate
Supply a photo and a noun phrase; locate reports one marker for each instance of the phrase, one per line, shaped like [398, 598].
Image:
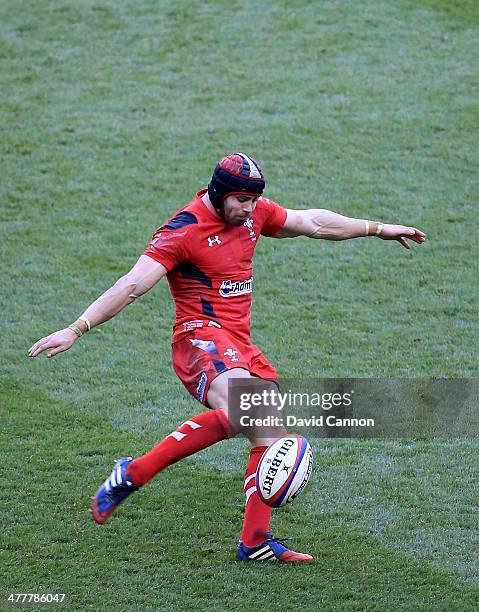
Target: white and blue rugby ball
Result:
[284, 470]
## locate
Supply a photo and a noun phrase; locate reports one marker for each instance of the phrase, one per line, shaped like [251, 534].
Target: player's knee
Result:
[218, 400]
[234, 426]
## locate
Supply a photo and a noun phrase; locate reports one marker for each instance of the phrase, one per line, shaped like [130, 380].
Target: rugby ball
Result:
[284, 470]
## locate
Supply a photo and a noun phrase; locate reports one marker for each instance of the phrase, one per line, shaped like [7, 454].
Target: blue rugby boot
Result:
[113, 491]
[272, 549]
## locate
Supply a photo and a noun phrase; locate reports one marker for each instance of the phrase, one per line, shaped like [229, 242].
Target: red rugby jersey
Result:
[209, 263]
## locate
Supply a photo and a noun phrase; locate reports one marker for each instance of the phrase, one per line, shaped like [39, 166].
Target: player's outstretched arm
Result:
[328, 225]
[141, 278]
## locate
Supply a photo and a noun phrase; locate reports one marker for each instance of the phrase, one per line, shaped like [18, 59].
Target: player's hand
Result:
[58, 342]
[402, 234]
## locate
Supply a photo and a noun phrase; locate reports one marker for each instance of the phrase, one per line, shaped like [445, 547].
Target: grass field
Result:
[112, 114]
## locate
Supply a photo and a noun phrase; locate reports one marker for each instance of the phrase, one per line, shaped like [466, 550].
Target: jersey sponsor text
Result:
[231, 288]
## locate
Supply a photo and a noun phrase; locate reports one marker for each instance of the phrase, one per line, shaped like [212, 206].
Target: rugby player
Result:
[205, 250]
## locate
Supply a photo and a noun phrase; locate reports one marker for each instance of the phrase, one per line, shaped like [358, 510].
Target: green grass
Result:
[112, 115]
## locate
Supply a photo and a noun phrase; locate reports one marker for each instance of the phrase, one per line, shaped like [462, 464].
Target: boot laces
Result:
[270, 536]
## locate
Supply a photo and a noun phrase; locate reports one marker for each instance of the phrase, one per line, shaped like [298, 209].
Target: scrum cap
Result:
[235, 174]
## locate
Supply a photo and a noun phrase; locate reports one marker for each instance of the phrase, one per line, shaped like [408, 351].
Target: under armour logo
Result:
[212, 241]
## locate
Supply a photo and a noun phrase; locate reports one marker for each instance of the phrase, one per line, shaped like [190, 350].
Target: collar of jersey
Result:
[199, 197]
[215, 216]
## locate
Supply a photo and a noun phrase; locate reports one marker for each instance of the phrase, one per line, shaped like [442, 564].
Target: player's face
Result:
[238, 208]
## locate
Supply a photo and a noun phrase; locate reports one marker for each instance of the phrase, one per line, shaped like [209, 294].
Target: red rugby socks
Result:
[199, 432]
[195, 434]
[257, 514]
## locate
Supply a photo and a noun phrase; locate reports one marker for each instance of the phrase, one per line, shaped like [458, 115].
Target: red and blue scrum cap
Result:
[234, 174]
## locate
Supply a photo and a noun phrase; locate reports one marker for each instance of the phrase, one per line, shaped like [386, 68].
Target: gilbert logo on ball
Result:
[284, 470]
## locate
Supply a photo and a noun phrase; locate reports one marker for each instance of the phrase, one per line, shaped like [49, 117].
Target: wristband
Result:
[367, 228]
[80, 326]
[76, 329]
[87, 322]
[379, 229]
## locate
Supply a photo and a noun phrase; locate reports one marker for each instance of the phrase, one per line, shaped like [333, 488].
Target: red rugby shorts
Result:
[202, 354]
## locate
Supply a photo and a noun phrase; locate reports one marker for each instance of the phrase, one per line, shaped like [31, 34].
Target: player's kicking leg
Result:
[130, 474]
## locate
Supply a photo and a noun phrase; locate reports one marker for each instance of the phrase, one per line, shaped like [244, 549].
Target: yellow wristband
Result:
[76, 329]
[80, 326]
[86, 321]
